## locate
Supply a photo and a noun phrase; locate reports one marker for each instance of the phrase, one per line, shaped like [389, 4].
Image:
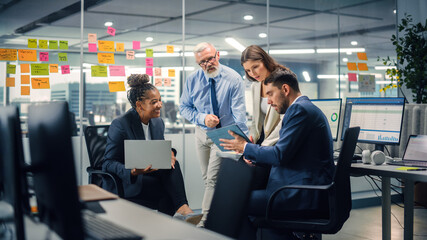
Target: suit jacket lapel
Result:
[271, 120]
[257, 104]
[137, 127]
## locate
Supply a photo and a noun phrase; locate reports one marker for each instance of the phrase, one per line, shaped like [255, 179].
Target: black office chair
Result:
[339, 197]
[228, 207]
[96, 141]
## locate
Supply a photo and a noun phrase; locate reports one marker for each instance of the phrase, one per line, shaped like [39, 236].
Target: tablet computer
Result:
[216, 134]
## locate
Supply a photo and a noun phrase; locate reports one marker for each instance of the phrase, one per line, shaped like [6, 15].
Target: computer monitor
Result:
[55, 181]
[12, 165]
[380, 119]
[332, 110]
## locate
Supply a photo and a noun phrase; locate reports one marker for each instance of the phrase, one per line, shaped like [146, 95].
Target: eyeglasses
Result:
[209, 60]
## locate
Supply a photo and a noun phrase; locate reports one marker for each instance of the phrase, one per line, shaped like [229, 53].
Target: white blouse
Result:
[264, 105]
[146, 131]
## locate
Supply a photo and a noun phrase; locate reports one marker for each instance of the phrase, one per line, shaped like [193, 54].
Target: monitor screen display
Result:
[332, 110]
[380, 119]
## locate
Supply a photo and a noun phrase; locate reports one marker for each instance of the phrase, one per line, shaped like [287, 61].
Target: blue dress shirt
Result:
[195, 103]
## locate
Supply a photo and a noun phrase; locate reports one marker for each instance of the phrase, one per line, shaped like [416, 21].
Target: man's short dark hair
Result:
[281, 76]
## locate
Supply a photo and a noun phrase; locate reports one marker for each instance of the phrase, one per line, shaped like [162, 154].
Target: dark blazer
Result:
[127, 126]
[302, 156]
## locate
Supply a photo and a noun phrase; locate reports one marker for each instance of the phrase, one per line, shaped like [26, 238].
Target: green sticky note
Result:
[53, 44]
[99, 71]
[63, 44]
[32, 43]
[39, 69]
[11, 69]
[43, 44]
[149, 52]
[63, 57]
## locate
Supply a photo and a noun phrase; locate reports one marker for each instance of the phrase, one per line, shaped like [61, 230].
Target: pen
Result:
[416, 169]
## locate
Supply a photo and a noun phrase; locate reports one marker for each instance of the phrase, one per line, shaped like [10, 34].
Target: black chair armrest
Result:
[116, 180]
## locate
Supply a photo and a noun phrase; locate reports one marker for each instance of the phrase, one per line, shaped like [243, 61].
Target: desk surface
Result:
[388, 171]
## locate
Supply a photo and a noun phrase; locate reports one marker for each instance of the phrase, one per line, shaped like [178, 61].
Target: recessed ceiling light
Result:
[394, 11]
[345, 59]
[353, 43]
[108, 24]
[262, 35]
[149, 39]
[248, 17]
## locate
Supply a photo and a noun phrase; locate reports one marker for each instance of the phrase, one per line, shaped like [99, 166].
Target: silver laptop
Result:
[141, 153]
[415, 152]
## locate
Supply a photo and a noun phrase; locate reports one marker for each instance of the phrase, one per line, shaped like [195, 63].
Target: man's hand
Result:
[237, 144]
[211, 120]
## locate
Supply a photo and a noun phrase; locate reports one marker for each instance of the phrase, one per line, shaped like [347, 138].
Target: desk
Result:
[387, 172]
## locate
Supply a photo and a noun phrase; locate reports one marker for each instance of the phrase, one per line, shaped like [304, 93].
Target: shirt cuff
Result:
[201, 119]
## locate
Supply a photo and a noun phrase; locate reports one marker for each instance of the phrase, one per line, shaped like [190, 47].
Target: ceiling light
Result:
[353, 43]
[349, 53]
[175, 54]
[335, 50]
[394, 11]
[345, 59]
[248, 17]
[384, 67]
[292, 51]
[108, 24]
[262, 35]
[306, 76]
[149, 39]
[234, 43]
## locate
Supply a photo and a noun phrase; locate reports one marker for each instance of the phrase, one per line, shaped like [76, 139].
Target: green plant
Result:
[411, 50]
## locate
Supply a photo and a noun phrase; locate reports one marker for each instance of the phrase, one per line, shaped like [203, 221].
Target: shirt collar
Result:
[296, 99]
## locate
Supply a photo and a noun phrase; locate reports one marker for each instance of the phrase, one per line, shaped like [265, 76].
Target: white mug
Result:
[366, 156]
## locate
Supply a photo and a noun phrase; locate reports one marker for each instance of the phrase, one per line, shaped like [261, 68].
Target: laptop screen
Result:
[416, 149]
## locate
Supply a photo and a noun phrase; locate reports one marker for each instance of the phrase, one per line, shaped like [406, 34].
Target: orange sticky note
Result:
[25, 79]
[168, 82]
[116, 86]
[40, 83]
[120, 47]
[362, 56]
[27, 55]
[10, 82]
[352, 66]
[171, 73]
[362, 66]
[106, 46]
[25, 90]
[169, 49]
[8, 54]
[53, 68]
[107, 58]
[25, 68]
[158, 82]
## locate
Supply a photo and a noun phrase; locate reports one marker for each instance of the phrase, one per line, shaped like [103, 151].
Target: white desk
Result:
[387, 172]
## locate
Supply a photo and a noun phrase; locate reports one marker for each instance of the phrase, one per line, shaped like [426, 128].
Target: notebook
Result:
[141, 153]
[415, 152]
[216, 134]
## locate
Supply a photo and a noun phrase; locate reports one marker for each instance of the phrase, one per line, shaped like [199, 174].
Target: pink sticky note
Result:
[158, 72]
[117, 71]
[158, 82]
[92, 47]
[44, 56]
[149, 71]
[352, 77]
[130, 55]
[111, 31]
[91, 37]
[149, 62]
[136, 44]
[168, 82]
[65, 69]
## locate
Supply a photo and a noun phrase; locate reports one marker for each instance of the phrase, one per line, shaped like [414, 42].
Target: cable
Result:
[385, 147]
[359, 147]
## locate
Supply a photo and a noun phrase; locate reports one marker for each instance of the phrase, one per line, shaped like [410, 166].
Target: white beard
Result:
[212, 74]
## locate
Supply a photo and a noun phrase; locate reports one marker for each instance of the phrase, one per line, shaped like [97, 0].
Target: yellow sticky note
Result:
[43, 44]
[10, 82]
[25, 90]
[25, 68]
[120, 47]
[149, 52]
[352, 66]
[53, 68]
[27, 55]
[63, 44]
[63, 57]
[99, 71]
[40, 69]
[106, 46]
[11, 69]
[53, 44]
[171, 73]
[25, 79]
[8, 54]
[362, 66]
[362, 56]
[107, 58]
[40, 83]
[116, 86]
[169, 49]
[32, 43]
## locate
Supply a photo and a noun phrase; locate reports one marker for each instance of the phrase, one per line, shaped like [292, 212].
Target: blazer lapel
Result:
[137, 127]
[270, 121]
[257, 104]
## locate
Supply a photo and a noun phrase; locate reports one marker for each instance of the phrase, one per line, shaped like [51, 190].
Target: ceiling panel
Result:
[195, 27]
[65, 32]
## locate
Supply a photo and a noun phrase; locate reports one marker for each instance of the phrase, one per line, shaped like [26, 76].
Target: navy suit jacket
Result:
[127, 126]
[302, 156]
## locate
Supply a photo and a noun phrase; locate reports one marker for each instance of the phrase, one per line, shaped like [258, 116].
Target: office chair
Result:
[339, 197]
[96, 142]
[228, 207]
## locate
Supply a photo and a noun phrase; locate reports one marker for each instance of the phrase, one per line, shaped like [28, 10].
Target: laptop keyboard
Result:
[98, 228]
[409, 164]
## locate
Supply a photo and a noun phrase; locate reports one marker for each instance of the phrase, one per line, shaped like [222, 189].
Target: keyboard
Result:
[101, 229]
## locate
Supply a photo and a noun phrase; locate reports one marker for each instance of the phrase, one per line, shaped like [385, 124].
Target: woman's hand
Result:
[173, 160]
[136, 171]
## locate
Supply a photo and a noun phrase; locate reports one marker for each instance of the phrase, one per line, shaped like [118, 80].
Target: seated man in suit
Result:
[302, 156]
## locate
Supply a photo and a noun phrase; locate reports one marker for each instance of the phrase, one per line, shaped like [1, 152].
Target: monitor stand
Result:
[379, 147]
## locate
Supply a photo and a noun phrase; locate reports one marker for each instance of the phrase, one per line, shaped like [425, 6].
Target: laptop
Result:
[141, 153]
[415, 152]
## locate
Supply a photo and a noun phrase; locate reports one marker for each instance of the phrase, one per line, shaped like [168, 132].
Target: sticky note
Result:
[130, 55]
[27, 55]
[40, 83]
[91, 37]
[149, 71]
[92, 47]
[366, 83]
[169, 49]
[25, 68]
[44, 56]
[65, 69]
[158, 72]
[149, 62]
[40, 69]
[10, 82]
[116, 86]
[362, 66]
[99, 71]
[120, 47]
[25, 90]
[25, 79]
[53, 44]
[8, 54]
[32, 43]
[63, 57]
[53, 68]
[63, 44]
[116, 71]
[136, 44]
[352, 77]
[352, 66]
[107, 58]
[168, 82]
[149, 52]
[43, 44]
[158, 82]
[106, 46]
[111, 31]
[11, 69]
[171, 73]
[362, 56]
